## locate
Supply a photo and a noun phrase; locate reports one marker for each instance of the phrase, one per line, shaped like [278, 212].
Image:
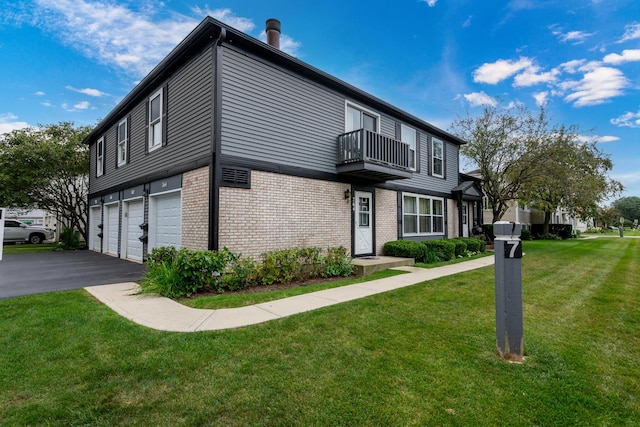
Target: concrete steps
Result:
[363, 266]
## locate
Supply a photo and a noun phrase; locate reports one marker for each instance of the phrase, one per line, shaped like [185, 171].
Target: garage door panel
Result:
[168, 220]
[113, 222]
[135, 217]
[95, 220]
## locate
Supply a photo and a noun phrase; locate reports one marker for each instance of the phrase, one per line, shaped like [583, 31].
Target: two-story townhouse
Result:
[231, 142]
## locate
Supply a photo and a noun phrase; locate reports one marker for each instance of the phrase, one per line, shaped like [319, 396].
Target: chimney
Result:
[273, 32]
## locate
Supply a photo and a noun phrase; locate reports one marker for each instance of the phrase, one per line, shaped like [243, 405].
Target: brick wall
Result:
[281, 211]
[195, 209]
[386, 218]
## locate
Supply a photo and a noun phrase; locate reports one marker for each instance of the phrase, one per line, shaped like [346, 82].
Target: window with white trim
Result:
[357, 117]
[155, 120]
[122, 142]
[100, 157]
[437, 157]
[409, 136]
[422, 215]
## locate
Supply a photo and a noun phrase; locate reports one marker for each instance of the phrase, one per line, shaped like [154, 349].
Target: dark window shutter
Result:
[116, 145]
[398, 131]
[429, 156]
[236, 177]
[146, 127]
[165, 104]
[128, 138]
[444, 159]
[418, 151]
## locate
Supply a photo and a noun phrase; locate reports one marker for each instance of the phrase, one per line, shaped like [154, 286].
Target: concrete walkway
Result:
[167, 315]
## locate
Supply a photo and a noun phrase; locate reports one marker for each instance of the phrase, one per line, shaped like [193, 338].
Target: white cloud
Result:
[598, 138]
[245, 25]
[467, 23]
[502, 69]
[9, 122]
[541, 98]
[87, 91]
[628, 55]
[287, 44]
[39, 93]
[596, 87]
[631, 32]
[628, 119]
[532, 76]
[431, 3]
[117, 35]
[81, 105]
[480, 98]
[573, 37]
[573, 66]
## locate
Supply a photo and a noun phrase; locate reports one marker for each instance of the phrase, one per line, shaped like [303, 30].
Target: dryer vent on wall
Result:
[236, 177]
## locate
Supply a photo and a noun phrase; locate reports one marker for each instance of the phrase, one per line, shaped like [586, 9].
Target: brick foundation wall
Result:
[195, 209]
[386, 218]
[281, 211]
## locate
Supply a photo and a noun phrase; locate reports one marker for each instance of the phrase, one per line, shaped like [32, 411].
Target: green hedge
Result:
[443, 248]
[405, 249]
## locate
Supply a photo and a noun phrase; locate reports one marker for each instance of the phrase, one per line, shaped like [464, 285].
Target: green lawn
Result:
[421, 355]
[23, 248]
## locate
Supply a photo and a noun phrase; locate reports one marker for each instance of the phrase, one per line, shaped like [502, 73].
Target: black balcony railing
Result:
[370, 147]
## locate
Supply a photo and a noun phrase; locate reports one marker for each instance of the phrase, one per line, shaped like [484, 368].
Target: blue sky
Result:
[74, 60]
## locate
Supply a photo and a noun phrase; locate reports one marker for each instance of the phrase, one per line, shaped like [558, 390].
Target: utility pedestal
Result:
[508, 264]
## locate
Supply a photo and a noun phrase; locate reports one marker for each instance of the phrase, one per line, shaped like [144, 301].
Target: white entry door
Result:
[95, 219]
[363, 223]
[110, 230]
[465, 219]
[165, 220]
[132, 217]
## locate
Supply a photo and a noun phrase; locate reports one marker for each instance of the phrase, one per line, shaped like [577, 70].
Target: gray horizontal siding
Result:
[423, 180]
[189, 128]
[273, 116]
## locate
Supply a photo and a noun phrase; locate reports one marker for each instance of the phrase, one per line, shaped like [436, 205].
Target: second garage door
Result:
[132, 217]
[165, 220]
[112, 222]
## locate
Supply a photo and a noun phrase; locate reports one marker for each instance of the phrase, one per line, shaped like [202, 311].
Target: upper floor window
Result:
[122, 142]
[408, 136]
[360, 118]
[422, 215]
[155, 120]
[100, 157]
[437, 155]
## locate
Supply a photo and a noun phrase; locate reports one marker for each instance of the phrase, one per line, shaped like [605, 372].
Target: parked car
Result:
[16, 231]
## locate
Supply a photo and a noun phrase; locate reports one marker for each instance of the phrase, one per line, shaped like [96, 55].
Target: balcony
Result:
[369, 155]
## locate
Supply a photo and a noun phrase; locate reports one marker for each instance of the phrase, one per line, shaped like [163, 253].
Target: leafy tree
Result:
[47, 168]
[629, 208]
[571, 176]
[504, 143]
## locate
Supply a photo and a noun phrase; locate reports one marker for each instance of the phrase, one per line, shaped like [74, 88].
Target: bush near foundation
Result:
[444, 249]
[182, 273]
[405, 249]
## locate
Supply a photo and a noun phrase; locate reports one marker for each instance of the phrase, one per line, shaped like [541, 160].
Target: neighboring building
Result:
[230, 142]
[36, 217]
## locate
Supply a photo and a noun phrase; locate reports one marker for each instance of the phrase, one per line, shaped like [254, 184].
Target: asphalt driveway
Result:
[33, 273]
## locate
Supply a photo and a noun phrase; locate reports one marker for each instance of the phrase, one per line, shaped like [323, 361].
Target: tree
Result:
[629, 208]
[570, 175]
[47, 168]
[504, 144]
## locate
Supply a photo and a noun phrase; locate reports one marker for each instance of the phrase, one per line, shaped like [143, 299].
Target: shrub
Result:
[445, 249]
[475, 245]
[549, 236]
[161, 255]
[310, 263]
[337, 263]
[525, 234]
[460, 248]
[278, 266]
[405, 249]
[69, 239]
[240, 274]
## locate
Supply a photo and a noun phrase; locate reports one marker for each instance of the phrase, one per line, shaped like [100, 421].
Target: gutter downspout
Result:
[215, 174]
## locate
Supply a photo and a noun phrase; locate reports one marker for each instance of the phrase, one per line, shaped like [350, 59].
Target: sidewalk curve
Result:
[164, 314]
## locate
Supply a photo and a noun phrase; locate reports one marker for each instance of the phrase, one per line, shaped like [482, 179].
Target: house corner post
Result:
[508, 288]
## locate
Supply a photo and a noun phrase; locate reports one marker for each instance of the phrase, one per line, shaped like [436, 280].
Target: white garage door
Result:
[95, 220]
[132, 217]
[111, 228]
[166, 226]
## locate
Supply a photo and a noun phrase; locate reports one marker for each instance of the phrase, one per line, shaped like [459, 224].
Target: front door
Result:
[363, 223]
[465, 220]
